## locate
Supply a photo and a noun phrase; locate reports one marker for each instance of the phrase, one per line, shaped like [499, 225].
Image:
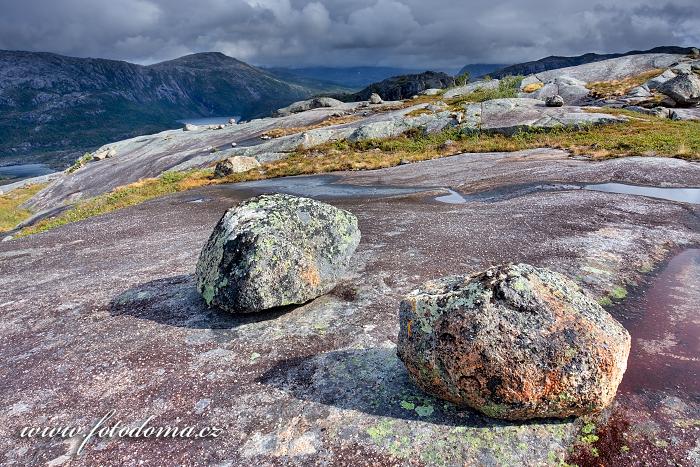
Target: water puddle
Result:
[664, 322]
[323, 186]
[686, 195]
[452, 198]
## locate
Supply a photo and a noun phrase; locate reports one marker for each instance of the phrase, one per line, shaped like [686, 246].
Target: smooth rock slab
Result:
[514, 342]
[275, 250]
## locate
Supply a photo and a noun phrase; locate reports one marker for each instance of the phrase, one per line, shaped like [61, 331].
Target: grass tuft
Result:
[607, 89]
[11, 212]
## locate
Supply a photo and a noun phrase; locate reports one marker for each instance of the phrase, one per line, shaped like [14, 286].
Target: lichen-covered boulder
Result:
[513, 342]
[275, 250]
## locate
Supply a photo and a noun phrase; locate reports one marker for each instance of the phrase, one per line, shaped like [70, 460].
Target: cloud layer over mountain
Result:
[407, 33]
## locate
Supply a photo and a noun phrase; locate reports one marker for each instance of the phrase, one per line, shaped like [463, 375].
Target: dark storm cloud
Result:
[345, 32]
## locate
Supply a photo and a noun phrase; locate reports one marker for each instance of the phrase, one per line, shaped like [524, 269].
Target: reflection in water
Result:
[686, 195]
[664, 322]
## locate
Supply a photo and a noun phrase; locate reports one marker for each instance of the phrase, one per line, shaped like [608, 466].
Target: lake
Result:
[14, 173]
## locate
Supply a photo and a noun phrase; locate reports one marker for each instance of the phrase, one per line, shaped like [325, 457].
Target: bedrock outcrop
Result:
[275, 250]
[513, 342]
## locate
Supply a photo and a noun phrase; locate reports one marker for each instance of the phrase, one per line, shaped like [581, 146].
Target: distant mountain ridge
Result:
[357, 77]
[555, 62]
[405, 86]
[56, 105]
[477, 70]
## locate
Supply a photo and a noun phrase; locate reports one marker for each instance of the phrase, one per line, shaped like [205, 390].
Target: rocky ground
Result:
[104, 314]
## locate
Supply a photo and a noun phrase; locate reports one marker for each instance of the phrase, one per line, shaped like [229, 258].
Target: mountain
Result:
[53, 107]
[405, 86]
[477, 70]
[555, 62]
[351, 77]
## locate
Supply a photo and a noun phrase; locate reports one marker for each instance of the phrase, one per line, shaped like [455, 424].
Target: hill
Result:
[54, 107]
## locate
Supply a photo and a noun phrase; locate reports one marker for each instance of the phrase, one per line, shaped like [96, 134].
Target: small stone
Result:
[231, 121]
[234, 144]
[513, 342]
[554, 101]
[275, 250]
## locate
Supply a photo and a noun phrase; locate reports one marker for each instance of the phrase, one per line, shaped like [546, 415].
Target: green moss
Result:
[380, 431]
[494, 410]
[84, 159]
[618, 293]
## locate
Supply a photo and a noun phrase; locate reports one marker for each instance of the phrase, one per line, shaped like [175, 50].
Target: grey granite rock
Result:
[508, 116]
[275, 250]
[302, 106]
[684, 89]
[470, 88]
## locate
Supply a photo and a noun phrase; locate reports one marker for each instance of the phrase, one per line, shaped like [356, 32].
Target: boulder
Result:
[102, 154]
[231, 121]
[659, 80]
[235, 164]
[513, 342]
[432, 92]
[302, 106]
[684, 89]
[554, 101]
[190, 127]
[375, 98]
[684, 114]
[639, 91]
[275, 250]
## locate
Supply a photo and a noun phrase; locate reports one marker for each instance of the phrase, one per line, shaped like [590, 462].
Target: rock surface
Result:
[275, 250]
[514, 342]
[684, 89]
[235, 164]
[508, 116]
[471, 87]
[328, 371]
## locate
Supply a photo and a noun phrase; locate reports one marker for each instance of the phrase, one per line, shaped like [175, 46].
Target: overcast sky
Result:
[406, 33]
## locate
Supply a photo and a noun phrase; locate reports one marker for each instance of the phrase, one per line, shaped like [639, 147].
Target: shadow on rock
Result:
[373, 381]
[174, 301]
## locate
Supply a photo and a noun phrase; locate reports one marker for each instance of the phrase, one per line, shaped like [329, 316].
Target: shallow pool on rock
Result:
[685, 195]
